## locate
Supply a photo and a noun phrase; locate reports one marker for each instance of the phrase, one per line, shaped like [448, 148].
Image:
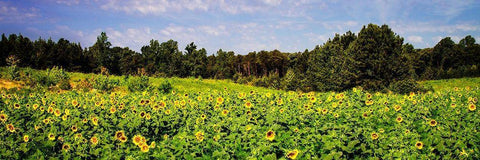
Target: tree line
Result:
[376, 59]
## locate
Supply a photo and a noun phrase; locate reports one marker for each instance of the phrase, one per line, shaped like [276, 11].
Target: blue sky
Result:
[238, 25]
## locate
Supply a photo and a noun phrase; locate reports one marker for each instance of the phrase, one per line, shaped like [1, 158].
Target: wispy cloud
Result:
[415, 39]
[14, 14]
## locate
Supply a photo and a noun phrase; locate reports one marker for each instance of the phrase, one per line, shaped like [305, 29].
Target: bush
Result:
[138, 83]
[65, 85]
[104, 83]
[406, 86]
[48, 78]
[165, 87]
[84, 85]
[13, 73]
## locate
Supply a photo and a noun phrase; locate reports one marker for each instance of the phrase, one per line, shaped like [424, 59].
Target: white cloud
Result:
[409, 27]
[13, 14]
[317, 38]
[415, 39]
[151, 6]
[68, 2]
[272, 2]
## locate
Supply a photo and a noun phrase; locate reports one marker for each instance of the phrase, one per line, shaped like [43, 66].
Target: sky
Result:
[241, 26]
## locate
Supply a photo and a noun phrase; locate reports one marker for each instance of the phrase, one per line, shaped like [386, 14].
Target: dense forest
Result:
[376, 59]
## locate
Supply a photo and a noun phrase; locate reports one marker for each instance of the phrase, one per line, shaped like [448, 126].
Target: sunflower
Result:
[167, 112]
[74, 103]
[324, 111]
[66, 147]
[162, 104]
[155, 107]
[142, 114]
[74, 128]
[199, 136]
[123, 139]
[113, 109]
[153, 144]
[365, 115]
[137, 139]
[78, 136]
[472, 107]
[241, 95]
[35, 106]
[407, 131]
[94, 140]
[374, 136]
[381, 130]
[119, 134]
[292, 154]
[203, 116]
[50, 110]
[433, 123]
[144, 148]
[248, 127]
[419, 145]
[3, 117]
[64, 117]
[148, 116]
[399, 119]
[26, 138]
[51, 136]
[16, 106]
[220, 100]
[281, 110]
[95, 121]
[369, 95]
[369, 102]
[36, 127]
[397, 107]
[248, 104]
[453, 105]
[280, 102]
[10, 128]
[224, 112]
[270, 135]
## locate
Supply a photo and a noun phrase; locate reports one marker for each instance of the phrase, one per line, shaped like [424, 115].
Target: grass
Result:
[185, 85]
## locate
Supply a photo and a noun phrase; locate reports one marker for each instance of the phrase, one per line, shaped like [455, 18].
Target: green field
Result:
[218, 119]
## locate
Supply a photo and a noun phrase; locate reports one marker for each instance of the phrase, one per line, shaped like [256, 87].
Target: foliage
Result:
[241, 124]
[406, 86]
[165, 87]
[373, 59]
[141, 83]
[103, 83]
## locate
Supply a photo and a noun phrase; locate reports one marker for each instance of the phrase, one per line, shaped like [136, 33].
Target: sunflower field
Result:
[230, 124]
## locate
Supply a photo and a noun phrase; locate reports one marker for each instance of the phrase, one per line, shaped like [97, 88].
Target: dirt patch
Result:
[4, 83]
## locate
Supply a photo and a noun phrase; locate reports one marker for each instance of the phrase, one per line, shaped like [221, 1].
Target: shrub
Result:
[48, 78]
[138, 83]
[406, 86]
[65, 85]
[104, 83]
[165, 87]
[84, 85]
[13, 73]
